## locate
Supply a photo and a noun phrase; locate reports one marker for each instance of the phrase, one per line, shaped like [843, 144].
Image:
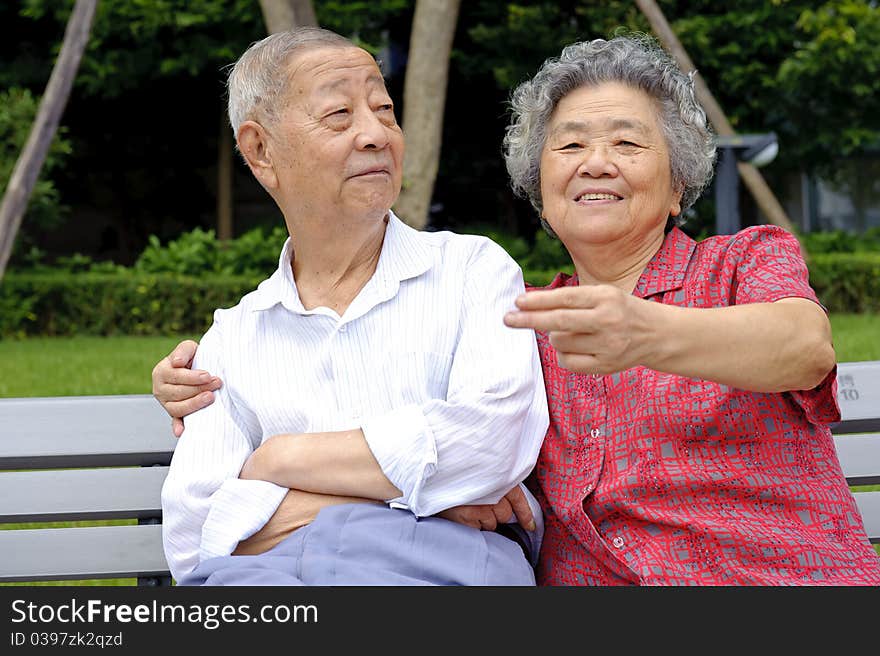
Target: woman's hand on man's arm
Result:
[180, 389]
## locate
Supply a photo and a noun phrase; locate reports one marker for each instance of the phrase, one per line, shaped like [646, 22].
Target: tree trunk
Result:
[281, 15]
[278, 15]
[225, 179]
[424, 100]
[27, 167]
[750, 175]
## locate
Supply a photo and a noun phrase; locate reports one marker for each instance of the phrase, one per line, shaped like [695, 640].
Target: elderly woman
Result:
[690, 384]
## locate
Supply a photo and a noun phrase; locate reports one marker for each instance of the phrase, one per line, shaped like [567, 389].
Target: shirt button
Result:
[595, 433]
[597, 376]
[617, 542]
[342, 329]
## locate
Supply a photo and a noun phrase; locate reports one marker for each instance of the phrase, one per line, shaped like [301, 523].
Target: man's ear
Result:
[253, 143]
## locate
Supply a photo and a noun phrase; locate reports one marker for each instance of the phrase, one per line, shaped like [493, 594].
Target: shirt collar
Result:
[664, 272]
[404, 255]
[666, 269]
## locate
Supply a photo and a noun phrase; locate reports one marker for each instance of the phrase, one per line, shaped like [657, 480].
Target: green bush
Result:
[175, 289]
[199, 252]
[844, 282]
[545, 252]
[841, 241]
[114, 304]
[847, 282]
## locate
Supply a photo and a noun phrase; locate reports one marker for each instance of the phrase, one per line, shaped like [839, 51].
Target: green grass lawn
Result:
[61, 366]
[58, 366]
[73, 366]
[69, 366]
[856, 336]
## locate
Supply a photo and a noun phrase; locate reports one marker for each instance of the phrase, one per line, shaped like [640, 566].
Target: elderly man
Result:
[369, 384]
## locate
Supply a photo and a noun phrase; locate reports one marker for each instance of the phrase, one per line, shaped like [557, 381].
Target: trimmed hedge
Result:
[114, 304]
[847, 282]
[130, 303]
[844, 282]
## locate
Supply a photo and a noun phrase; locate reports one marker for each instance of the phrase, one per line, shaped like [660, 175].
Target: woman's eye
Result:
[570, 146]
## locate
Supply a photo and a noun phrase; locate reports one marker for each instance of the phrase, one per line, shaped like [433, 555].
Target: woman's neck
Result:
[620, 265]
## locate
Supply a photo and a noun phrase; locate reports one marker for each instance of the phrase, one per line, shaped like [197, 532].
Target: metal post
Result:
[727, 193]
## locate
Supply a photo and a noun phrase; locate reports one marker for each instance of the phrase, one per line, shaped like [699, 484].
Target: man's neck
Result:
[333, 261]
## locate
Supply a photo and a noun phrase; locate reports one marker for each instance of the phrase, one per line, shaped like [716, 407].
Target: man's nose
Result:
[371, 133]
[598, 160]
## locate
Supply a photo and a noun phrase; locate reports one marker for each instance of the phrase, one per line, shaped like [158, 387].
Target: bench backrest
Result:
[115, 452]
[69, 459]
[857, 436]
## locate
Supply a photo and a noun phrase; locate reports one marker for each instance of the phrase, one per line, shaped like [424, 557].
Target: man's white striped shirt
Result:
[450, 400]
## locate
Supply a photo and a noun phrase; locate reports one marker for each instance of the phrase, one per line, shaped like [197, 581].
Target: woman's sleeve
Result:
[770, 267]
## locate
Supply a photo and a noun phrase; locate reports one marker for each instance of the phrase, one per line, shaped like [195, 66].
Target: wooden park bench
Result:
[74, 459]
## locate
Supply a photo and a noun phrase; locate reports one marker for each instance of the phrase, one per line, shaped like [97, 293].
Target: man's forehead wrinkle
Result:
[332, 85]
[304, 60]
[350, 58]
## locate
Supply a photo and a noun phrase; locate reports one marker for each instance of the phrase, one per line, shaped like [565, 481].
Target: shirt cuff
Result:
[239, 508]
[403, 444]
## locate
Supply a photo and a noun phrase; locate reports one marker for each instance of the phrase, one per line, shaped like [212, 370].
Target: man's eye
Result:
[624, 142]
[570, 146]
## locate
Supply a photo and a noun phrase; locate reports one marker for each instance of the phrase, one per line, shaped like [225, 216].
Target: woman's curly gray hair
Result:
[637, 61]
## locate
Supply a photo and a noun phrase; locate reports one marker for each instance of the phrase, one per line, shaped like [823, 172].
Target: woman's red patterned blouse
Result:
[656, 479]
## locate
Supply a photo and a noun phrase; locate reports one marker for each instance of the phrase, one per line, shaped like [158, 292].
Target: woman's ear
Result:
[675, 206]
[253, 144]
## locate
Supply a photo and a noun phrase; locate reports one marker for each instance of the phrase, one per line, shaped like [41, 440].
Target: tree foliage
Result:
[806, 70]
[18, 108]
[144, 117]
[134, 42]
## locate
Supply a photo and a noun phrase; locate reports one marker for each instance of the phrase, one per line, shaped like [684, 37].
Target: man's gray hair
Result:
[259, 78]
[634, 60]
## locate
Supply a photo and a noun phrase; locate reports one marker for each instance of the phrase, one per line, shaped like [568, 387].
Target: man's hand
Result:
[180, 390]
[487, 518]
[296, 510]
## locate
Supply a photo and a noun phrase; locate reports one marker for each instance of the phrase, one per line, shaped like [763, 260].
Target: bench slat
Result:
[858, 394]
[117, 431]
[97, 431]
[859, 456]
[82, 553]
[81, 494]
[869, 507]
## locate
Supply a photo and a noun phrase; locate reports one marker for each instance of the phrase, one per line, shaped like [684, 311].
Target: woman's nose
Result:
[597, 161]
